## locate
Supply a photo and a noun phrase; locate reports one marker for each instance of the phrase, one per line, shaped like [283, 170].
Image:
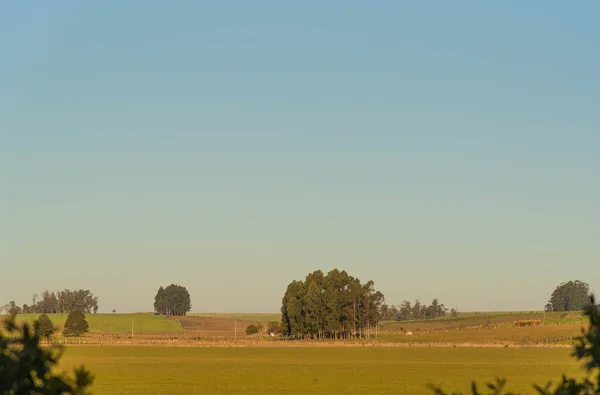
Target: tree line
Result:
[417, 311]
[335, 305]
[64, 302]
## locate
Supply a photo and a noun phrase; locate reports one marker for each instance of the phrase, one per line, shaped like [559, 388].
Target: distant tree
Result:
[114, 311]
[424, 311]
[291, 311]
[436, 310]
[389, 313]
[77, 300]
[417, 311]
[48, 303]
[385, 312]
[45, 327]
[27, 367]
[570, 296]
[393, 314]
[405, 310]
[314, 305]
[13, 309]
[454, 312]
[252, 329]
[160, 301]
[172, 300]
[76, 325]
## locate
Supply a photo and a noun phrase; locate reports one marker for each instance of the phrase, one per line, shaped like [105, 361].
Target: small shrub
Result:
[252, 329]
[523, 323]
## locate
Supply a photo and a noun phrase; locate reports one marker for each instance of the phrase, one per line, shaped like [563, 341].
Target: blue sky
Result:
[445, 150]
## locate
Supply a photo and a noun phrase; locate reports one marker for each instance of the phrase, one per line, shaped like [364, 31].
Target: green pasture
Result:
[254, 317]
[142, 323]
[536, 334]
[160, 370]
[465, 320]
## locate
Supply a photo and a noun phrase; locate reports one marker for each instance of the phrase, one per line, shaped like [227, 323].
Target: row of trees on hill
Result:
[335, 305]
[417, 311]
[172, 300]
[57, 302]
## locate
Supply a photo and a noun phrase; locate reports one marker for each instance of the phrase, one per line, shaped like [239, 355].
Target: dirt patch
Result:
[212, 326]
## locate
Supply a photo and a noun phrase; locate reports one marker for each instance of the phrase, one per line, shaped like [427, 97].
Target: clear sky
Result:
[441, 149]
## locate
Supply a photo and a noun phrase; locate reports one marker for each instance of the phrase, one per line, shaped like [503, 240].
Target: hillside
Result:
[142, 323]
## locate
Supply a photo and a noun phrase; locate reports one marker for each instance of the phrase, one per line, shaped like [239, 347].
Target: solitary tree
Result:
[45, 327]
[76, 324]
[28, 368]
[570, 296]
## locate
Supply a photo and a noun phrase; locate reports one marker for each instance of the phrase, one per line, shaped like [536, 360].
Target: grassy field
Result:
[524, 335]
[216, 325]
[151, 370]
[333, 369]
[466, 320]
[253, 317]
[472, 328]
[222, 324]
[142, 323]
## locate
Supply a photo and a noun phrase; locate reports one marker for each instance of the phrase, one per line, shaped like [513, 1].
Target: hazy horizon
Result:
[232, 150]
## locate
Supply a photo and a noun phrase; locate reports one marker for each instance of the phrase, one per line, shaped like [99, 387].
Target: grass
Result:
[150, 370]
[506, 334]
[465, 320]
[142, 323]
[253, 317]
[471, 328]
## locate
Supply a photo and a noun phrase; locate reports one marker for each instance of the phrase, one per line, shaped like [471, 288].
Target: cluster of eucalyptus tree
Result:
[64, 301]
[172, 300]
[334, 306]
[407, 311]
